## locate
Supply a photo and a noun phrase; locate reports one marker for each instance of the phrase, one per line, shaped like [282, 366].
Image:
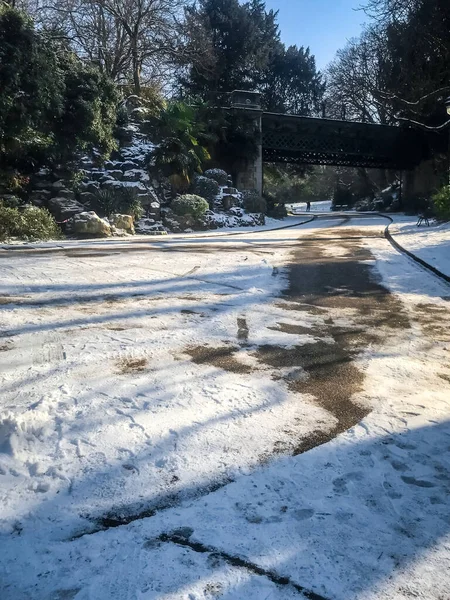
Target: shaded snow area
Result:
[146, 450]
[431, 244]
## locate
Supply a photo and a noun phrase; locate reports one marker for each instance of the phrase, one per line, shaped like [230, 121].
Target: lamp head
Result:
[447, 105]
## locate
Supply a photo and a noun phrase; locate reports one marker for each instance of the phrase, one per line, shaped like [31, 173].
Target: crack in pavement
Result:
[181, 538]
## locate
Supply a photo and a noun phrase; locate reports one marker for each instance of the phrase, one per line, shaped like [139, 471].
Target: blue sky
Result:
[323, 25]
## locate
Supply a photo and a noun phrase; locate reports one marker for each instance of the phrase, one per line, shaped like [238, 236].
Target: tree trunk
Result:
[136, 69]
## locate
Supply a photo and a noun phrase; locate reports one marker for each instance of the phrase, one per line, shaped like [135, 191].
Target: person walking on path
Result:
[308, 206]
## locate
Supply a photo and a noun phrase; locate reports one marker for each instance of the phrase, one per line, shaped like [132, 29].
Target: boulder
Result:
[178, 223]
[133, 175]
[136, 186]
[66, 194]
[96, 175]
[89, 223]
[86, 197]
[128, 165]
[86, 163]
[57, 186]
[149, 197]
[105, 177]
[148, 226]
[154, 211]
[115, 174]
[125, 135]
[42, 185]
[124, 222]
[40, 197]
[64, 208]
[92, 187]
[227, 202]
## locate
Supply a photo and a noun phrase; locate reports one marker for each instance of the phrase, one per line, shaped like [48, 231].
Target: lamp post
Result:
[447, 106]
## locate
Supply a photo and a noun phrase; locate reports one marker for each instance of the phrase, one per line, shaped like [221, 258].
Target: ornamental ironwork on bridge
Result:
[322, 141]
[304, 140]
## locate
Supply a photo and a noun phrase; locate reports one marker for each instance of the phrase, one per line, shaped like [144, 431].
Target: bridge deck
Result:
[307, 140]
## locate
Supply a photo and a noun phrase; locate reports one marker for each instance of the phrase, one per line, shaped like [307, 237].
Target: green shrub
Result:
[120, 200]
[29, 224]
[218, 175]
[206, 188]
[10, 201]
[190, 204]
[277, 211]
[253, 202]
[441, 202]
[122, 119]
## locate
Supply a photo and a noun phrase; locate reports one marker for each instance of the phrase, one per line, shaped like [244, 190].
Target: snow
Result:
[320, 206]
[83, 431]
[431, 244]
[139, 149]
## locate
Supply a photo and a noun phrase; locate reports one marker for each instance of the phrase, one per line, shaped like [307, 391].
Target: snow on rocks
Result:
[148, 226]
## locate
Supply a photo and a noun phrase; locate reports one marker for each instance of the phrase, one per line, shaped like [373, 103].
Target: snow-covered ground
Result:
[431, 244]
[321, 206]
[110, 405]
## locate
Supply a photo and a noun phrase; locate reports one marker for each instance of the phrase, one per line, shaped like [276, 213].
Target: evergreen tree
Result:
[244, 51]
[51, 103]
[241, 39]
[291, 83]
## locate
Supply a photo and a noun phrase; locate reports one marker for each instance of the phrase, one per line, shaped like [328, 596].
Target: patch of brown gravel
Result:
[132, 365]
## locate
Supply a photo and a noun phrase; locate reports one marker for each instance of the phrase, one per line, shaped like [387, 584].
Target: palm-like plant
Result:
[179, 153]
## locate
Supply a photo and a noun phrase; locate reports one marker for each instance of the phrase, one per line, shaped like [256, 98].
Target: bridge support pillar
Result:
[250, 177]
[250, 174]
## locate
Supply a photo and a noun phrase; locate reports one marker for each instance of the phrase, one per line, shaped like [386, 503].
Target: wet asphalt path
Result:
[332, 274]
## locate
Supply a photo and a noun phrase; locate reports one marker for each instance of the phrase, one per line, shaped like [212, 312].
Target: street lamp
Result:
[447, 106]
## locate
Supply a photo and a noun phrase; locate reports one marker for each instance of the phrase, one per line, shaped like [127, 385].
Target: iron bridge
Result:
[307, 140]
[310, 140]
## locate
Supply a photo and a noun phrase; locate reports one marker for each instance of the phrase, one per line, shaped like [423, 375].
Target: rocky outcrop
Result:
[90, 224]
[177, 223]
[235, 217]
[124, 222]
[64, 208]
[148, 226]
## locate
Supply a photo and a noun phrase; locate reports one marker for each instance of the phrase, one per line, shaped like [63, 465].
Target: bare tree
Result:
[150, 27]
[354, 79]
[123, 37]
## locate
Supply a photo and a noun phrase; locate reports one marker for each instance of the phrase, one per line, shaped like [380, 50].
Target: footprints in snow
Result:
[340, 483]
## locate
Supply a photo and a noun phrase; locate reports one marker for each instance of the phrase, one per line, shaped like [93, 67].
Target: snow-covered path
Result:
[141, 379]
